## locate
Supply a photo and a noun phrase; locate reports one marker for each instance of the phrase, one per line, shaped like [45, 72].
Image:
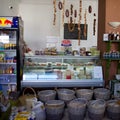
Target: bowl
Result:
[114, 24]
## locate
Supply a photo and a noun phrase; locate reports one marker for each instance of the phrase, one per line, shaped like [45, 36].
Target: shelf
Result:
[63, 83]
[7, 63]
[8, 50]
[7, 74]
[111, 58]
[113, 41]
[8, 28]
[62, 57]
[9, 83]
[45, 67]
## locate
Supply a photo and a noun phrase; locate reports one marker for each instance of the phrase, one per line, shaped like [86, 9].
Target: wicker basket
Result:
[96, 109]
[66, 94]
[46, 95]
[77, 109]
[24, 96]
[54, 109]
[84, 93]
[102, 93]
[113, 109]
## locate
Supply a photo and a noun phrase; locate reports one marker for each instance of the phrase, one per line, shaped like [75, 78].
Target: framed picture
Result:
[73, 34]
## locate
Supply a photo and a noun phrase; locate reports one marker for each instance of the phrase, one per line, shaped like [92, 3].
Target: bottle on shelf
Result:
[109, 35]
[10, 70]
[118, 36]
[14, 59]
[112, 36]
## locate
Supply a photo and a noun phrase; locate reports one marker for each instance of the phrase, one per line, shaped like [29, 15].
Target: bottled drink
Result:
[118, 36]
[112, 36]
[109, 36]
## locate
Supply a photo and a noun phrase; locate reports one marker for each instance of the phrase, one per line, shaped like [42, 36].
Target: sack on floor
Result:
[39, 110]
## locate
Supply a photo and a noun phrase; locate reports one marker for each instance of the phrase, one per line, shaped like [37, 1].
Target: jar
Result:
[88, 53]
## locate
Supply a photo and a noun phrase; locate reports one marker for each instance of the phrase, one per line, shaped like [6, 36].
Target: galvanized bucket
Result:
[96, 109]
[77, 109]
[113, 109]
[84, 93]
[54, 109]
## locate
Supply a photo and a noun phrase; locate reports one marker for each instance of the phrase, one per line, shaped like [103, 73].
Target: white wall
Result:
[38, 22]
[91, 39]
[5, 9]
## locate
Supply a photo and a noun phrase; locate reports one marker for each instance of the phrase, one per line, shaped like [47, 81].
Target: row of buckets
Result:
[96, 103]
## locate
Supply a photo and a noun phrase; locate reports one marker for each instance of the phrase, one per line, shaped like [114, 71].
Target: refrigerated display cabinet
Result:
[11, 35]
[62, 71]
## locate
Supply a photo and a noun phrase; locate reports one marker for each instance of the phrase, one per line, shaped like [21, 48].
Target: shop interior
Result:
[59, 60]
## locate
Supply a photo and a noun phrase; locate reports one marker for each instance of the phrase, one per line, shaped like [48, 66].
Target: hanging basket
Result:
[24, 96]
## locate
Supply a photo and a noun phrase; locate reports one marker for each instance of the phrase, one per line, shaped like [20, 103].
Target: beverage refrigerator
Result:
[11, 57]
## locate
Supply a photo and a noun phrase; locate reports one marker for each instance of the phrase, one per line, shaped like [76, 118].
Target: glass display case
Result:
[62, 71]
[10, 37]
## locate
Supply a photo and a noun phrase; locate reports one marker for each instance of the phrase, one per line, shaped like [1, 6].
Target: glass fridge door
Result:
[8, 66]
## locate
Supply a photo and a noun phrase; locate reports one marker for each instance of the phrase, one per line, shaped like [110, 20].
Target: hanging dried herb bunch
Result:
[60, 5]
[63, 11]
[71, 26]
[79, 21]
[54, 4]
[85, 21]
[67, 13]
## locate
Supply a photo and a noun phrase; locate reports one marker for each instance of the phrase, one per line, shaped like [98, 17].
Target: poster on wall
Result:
[73, 34]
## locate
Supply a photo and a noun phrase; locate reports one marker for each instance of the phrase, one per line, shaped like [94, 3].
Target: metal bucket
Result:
[46, 95]
[77, 109]
[54, 109]
[96, 109]
[84, 93]
[102, 93]
[113, 109]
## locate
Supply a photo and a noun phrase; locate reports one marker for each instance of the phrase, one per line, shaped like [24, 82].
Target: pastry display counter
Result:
[62, 71]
